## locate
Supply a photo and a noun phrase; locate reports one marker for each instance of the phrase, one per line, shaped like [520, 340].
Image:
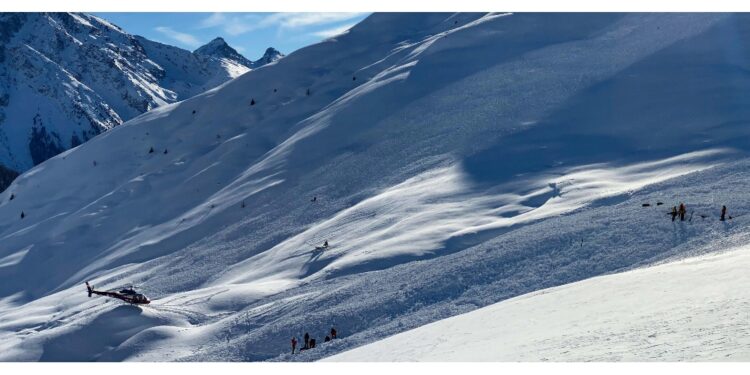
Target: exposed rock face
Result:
[66, 77]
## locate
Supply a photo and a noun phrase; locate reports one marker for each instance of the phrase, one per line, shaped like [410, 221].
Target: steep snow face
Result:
[441, 183]
[68, 77]
[690, 310]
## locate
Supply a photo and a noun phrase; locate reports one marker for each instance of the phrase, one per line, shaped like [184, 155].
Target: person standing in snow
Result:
[307, 340]
[682, 211]
[674, 212]
[327, 339]
[333, 333]
[325, 244]
[294, 344]
[723, 212]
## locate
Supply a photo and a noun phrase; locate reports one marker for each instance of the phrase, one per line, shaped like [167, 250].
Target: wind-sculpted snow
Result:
[450, 160]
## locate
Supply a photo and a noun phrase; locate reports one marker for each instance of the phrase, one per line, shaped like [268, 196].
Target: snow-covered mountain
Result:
[442, 183]
[271, 55]
[67, 77]
[220, 49]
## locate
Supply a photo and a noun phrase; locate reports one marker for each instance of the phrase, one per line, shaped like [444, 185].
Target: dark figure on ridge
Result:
[682, 211]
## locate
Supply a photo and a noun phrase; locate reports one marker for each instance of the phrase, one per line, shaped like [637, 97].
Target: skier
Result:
[682, 211]
[151, 150]
[23, 215]
[315, 199]
[307, 340]
[312, 343]
[327, 339]
[252, 101]
[723, 212]
[294, 344]
[325, 244]
[674, 212]
[333, 333]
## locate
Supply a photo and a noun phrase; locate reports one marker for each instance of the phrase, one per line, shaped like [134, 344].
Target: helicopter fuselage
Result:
[127, 295]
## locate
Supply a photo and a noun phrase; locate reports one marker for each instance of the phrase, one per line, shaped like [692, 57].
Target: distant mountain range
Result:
[66, 77]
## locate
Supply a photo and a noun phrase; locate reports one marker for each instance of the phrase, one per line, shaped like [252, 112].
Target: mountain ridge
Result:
[87, 76]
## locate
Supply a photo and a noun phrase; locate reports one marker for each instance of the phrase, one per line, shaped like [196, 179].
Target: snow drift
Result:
[689, 310]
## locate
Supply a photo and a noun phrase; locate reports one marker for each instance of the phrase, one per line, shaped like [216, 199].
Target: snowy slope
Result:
[458, 160]
[691, 310]
[67, 77]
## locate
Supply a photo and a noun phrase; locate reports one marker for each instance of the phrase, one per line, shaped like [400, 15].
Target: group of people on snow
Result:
[310, 342]
[682, 210]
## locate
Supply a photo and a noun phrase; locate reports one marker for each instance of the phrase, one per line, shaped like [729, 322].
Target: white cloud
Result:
[215, 19]
[325, 34]
[237, 26]
[294, 20]
[240, 24]
[183, 38]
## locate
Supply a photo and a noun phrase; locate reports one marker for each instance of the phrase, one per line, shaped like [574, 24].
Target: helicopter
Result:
[128, 295]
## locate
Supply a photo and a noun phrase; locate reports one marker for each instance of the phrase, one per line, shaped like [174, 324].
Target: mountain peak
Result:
[218, 47]
[271, 55]
[218, 41]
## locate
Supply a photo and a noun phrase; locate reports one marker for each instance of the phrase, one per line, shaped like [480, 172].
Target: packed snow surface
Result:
[452, 161]
[690, 310]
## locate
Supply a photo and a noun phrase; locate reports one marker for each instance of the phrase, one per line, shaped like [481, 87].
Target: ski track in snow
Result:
[458, 160]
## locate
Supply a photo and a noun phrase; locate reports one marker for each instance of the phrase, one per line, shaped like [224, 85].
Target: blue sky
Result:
[249, 33]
